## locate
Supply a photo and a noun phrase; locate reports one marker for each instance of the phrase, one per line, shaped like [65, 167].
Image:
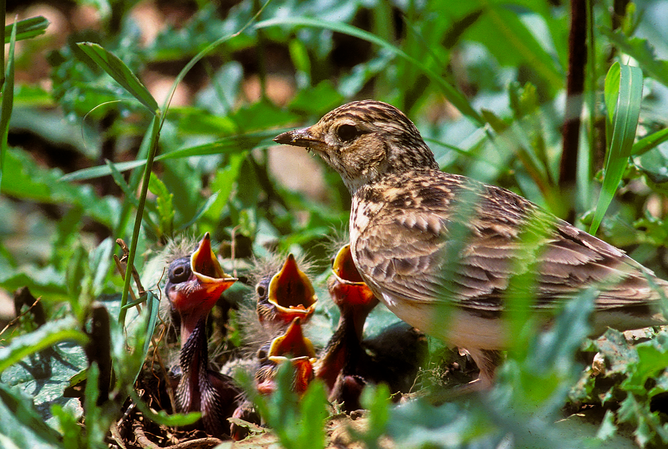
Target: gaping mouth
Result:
[348, 284]
[290, 294]
[207, 281]
[291, 347]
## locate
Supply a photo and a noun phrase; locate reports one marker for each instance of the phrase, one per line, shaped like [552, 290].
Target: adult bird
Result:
[422, 238]
[194, 285]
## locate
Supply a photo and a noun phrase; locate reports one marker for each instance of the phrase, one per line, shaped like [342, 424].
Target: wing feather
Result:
[401, 251]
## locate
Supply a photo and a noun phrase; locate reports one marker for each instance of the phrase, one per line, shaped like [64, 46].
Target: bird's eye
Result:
[347, 132]
[261, 290]
[262, 354]
[179, 270]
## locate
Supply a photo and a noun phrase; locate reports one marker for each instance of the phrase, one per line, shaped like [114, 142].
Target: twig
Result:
[121, 265]
[18, 317]
[577, 58]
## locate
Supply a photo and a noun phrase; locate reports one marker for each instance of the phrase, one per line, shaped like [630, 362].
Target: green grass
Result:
[483, 80]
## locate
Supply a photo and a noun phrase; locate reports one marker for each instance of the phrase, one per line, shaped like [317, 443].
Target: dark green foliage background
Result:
[483, 80]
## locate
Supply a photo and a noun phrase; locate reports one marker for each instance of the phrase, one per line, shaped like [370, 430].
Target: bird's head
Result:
[364, 140]
[194, 285]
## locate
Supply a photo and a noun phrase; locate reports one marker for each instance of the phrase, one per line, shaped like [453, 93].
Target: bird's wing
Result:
[430, 244]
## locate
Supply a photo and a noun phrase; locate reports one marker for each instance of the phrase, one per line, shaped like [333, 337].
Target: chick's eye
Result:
[179, 271]
[347, 132]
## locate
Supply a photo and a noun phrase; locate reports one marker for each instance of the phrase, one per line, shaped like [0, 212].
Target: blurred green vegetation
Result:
[197, 90]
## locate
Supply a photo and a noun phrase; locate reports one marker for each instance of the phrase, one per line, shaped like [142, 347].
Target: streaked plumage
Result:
[407, 216]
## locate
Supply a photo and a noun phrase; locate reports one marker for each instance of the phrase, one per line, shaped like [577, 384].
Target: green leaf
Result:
[221, 187]
[649, 142]
[117, 69]
[162, 417]
[624, 124]
[21, 424]
[165, 207]
[26, 28]
[25, 179]
[45, 375]
[227, 145]
[518, 40]
[611, 92]
[44, 337]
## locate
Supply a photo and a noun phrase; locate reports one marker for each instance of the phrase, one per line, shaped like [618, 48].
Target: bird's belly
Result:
[455, 326]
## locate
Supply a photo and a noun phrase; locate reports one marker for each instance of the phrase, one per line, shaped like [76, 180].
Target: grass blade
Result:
[7, 101]
[450, 92]
[117, 69]
[227, 145]
[649, 142]
[26, 28]
[624, 124]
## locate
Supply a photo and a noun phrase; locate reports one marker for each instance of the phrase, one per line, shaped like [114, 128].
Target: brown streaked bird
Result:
[285, 295]
[406, 215]
[194, 285]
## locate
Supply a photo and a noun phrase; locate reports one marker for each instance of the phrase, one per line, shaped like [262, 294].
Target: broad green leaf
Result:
[25, 179]
[42, 281]
[26, 28]
[45, 375]
[450, 92]
[46, 336]
[518, 40]
[117, 69]
[318, 99]
[625, 122]
[21, 425]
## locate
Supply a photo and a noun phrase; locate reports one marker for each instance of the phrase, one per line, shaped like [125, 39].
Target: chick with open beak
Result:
[290, 347]
[286, 295]
[344, 353]
[348, 362]
[194, 285]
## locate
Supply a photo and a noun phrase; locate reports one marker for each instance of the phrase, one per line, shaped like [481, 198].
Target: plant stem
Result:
[577, 58]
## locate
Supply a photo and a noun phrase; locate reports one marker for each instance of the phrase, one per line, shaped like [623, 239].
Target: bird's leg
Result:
[487, 361]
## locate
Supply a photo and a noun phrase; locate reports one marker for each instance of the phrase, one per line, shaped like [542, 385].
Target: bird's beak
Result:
[347, 285]
[209, 273]
[197, 295]
[292, 347]
[304, 137]
[291, 293]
